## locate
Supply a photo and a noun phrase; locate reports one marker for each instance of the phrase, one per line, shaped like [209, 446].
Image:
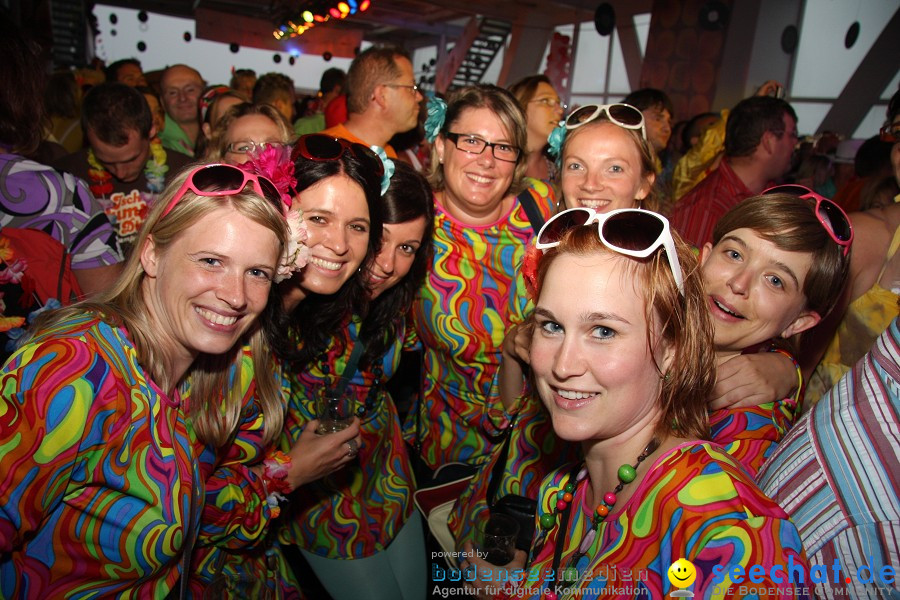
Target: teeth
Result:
[480, 179]
[594, 204]
[730, 312]
[215, 317]
[570, 395]
[325, 264]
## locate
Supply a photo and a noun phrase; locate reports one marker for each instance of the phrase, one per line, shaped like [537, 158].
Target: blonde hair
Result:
[215, 405]
[218, 144]
[645, 151]
[684, 321]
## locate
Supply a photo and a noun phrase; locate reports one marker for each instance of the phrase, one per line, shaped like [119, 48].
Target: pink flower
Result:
[13, 272]
[530, 268]
[274, 162]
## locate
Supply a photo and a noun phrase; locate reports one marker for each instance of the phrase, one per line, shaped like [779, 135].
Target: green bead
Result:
[548, 521]
[627, 473]
[570, 488]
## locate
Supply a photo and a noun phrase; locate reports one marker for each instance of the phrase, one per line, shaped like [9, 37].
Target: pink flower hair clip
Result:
[274, 161]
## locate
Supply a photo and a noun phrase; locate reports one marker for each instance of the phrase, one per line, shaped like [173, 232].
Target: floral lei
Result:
[155, 171]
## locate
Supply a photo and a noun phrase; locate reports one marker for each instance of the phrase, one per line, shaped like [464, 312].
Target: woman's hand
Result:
[515, 360]
[753, 379]
[314, 456]
[517, 343]
[480, 565]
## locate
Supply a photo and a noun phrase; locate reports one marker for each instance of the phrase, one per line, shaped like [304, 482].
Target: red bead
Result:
[609, 498]
[550, 595]
[561, 505]
[567, 497]
[602, 511]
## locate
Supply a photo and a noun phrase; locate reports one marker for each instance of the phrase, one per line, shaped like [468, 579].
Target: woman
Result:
[357, 528]
[543, 110]
[124, 466]
[622, 359]
[481, 231]
[245, 129]
[776, 267]
[335, 185]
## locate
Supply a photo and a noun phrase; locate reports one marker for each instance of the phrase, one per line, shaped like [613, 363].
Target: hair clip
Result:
[437, 112]
[388, 167]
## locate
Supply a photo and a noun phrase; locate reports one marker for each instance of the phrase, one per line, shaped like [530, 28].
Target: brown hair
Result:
[684, 323]
[504, 106]
[525, 89]
[791, 224]
[374, 66]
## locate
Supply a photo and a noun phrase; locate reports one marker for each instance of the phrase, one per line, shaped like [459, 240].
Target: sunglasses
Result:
[629, 231]
[830, 215]
[623, 115]
[224, 180]
[321, 147]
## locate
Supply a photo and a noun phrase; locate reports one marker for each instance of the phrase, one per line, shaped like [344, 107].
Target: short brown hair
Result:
[374, 66]
[684, 323]
[501, 103]
[525, 89]
[791, 224]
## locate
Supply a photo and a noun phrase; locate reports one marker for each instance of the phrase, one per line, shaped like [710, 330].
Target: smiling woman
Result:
[482, 228]
[98, 384]
[621, 358]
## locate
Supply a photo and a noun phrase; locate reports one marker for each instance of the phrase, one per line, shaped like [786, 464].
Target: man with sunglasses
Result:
[125, 164]
[382, 100]
[759, 141]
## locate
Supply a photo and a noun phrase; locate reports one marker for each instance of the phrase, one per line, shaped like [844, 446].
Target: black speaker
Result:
[605, 19]
[714, 16]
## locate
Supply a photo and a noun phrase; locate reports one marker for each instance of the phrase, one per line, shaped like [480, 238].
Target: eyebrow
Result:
[585, 317]
[777, 263]
[483, 139]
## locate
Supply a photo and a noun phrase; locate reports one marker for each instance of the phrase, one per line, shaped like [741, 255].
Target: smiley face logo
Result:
[682, 573]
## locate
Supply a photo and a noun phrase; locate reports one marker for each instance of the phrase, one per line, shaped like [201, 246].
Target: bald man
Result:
[181, 87]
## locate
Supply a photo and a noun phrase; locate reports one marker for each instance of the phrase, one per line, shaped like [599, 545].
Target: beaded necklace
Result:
[626, 474]
[154, 170]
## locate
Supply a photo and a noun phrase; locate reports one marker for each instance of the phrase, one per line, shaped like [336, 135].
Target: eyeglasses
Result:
[623, 115]
[890, 133]
[476, 145]
[321, 147]
[224, 180]
[830, 215]
[248, 146]
[629, 231]
[413, 87]
[550, 103]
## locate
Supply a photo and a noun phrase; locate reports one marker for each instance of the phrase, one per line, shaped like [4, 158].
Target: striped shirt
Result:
[837, 474]
[695, 216]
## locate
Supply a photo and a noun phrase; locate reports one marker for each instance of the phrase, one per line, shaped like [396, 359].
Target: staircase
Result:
[67, 20]
[492, 34]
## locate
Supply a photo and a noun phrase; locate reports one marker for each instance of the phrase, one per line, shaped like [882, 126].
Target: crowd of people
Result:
[660, 341]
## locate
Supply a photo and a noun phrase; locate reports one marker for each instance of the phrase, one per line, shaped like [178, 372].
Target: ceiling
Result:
[408, 23]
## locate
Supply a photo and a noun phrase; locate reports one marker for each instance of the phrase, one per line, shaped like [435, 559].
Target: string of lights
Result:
[310, 14]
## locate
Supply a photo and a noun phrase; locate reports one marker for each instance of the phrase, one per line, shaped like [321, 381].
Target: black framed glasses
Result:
[321, 147]
[224, 180]
[630, 231]
[830, 215]
[475, 145]
[623, 115]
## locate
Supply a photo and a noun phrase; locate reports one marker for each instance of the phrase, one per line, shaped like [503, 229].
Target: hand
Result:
[314, 456]
[480, 582]
[753, 379]
[768, 88]
[517, 343]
